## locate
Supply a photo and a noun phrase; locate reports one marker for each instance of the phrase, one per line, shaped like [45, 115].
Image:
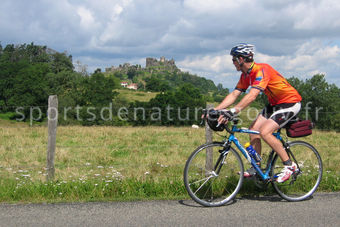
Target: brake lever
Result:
[204, 117]
[202, 122]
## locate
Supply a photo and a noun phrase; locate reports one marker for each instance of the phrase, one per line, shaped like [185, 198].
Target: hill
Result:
[160, 75]
[30, 73]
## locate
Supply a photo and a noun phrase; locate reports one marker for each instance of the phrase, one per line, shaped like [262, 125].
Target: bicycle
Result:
[213, 173]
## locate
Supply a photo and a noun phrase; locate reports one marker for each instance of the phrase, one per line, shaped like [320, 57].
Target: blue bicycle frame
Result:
[232, 139]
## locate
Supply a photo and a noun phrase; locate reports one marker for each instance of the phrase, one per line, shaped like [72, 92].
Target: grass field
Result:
[116, 163]
[132, 95]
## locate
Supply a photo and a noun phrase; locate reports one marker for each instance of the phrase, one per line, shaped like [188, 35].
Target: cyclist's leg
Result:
[255, 140]
[279, 116]
[266, 132]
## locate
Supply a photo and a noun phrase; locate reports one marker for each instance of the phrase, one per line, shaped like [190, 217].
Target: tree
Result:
[219, 87]
[131, 73]
[178, 107]
[61, 62]
[320, 100]
[97, 92]
[155, 84]
[220, 94]
[98, 89]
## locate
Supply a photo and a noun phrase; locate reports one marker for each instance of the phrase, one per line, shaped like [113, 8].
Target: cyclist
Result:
[284, 103]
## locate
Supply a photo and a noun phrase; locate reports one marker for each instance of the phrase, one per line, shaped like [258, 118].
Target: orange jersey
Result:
[268, 80]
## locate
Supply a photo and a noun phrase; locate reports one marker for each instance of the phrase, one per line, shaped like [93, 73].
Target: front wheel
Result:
[306, 179]
[213, 175]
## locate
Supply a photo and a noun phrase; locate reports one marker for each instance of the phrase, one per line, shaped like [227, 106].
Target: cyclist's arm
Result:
[247, 99]
[229, 99]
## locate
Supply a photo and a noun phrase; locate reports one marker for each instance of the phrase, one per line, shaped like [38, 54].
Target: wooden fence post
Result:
[52, 116]
[208, 138]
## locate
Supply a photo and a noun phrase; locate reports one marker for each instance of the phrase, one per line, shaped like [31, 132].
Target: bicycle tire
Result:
[304, 182]
[203, 184]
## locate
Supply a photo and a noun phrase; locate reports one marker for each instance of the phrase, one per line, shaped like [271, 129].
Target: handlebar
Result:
[217, 114]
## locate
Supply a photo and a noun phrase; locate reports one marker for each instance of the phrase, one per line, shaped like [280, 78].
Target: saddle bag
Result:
[299, 128]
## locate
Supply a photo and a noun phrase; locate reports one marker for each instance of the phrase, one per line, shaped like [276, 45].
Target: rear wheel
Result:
[304, 182]
[212, 175]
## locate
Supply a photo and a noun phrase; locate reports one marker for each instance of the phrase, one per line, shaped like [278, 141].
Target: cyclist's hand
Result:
[222, 120]
[228, 114]
[225, 116]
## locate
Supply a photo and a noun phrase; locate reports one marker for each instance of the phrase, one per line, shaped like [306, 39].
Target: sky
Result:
[298, 38]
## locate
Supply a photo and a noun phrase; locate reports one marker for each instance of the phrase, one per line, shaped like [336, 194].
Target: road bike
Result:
[213, 173]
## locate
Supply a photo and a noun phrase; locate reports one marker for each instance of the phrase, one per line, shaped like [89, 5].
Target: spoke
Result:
[208, 178]
[208, 184]
[306, 179]
[211, 196]
[199, 180]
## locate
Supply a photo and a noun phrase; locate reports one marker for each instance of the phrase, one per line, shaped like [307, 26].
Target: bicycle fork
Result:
[220, 162]
[221, 159]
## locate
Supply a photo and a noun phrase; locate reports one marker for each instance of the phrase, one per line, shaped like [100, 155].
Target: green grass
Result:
[90, 190]
[118, 163]
[7, 116]
[132, 95]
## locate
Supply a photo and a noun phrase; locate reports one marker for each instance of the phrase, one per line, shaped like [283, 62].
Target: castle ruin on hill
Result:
[152, 64]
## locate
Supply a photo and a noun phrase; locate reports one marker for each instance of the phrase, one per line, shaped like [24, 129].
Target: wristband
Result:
[233, 110]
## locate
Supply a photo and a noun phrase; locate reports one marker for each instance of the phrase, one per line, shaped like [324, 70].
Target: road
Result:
[322, 210]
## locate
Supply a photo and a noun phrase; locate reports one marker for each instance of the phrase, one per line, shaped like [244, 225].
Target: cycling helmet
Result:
[213, 116]
[243, 50]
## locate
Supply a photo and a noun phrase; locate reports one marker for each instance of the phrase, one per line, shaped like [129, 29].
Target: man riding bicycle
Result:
[284, 104]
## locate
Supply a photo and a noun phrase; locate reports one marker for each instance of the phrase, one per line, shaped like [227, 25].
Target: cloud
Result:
[297, 37]
[87, 21]
[217, 6]
[320, 13]
[311, 58]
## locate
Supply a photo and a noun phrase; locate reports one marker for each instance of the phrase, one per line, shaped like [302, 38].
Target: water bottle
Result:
[252, 152]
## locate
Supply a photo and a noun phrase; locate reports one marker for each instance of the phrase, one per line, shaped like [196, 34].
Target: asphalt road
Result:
[322, 210]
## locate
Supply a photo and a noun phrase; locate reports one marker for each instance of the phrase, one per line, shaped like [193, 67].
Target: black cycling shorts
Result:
[281, 113]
